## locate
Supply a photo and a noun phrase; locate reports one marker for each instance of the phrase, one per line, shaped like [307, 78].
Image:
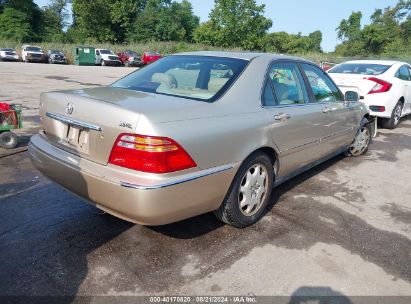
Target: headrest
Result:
[165, 79]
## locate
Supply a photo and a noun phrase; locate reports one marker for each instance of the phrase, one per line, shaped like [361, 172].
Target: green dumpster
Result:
[84, 55]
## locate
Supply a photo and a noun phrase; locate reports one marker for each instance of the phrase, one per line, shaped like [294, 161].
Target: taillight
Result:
[380, 86]
[149, 154]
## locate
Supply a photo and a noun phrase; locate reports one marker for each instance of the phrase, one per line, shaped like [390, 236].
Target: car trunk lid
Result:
[353, 82]
[87, 122]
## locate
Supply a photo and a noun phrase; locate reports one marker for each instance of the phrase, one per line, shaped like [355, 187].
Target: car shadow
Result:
[318, 295]
[206, 223]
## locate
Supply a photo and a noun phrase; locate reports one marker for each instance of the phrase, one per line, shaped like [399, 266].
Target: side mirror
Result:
[351, 96]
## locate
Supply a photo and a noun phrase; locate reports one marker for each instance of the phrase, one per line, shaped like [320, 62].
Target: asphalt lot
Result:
[342, 228]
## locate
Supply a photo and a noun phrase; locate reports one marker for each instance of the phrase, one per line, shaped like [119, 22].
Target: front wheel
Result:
[103, 63]
[249, 193]
[362, 139]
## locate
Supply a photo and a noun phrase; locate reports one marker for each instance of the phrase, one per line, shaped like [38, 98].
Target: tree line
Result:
[237, 24]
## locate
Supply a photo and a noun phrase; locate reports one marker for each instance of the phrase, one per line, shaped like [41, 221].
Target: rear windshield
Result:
[195, 77]
[359, 68]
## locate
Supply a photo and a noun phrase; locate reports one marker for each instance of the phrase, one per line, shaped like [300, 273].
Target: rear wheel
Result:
[362, 140]
[394, 120]
[8, 140]
[249, 193]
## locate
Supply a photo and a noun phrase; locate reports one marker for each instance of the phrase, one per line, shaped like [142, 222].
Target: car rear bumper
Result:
[386, 100]
[148, 201]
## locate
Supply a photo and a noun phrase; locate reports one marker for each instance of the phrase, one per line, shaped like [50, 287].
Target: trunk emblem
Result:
[69, 108]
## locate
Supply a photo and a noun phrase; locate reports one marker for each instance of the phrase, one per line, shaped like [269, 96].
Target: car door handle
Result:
[328, 109]
[282, 116]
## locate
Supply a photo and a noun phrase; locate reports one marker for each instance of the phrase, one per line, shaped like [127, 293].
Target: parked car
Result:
[130, 58]
[173, 142]
[149, 57]
[55, 56]
[106, 57]
[33, 54]
[7, 54]
[384, 86]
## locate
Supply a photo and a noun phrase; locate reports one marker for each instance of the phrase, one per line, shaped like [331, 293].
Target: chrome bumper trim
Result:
[187, 178]
[74, 122]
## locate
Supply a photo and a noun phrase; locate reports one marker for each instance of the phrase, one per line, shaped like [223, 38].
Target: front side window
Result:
[287, 85]
[403, 73]
[195, 77]
[323, 88]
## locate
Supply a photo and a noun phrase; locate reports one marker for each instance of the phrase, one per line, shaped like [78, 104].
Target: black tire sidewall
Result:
[393, 124]
[233, 213]
[8, 140]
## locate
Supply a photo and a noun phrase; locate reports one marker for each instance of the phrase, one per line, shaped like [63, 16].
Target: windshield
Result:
[133, 54]
[7, 50]
[108, 52]
[195, 77]
[33, 49]
[56, 52]
[360, 68]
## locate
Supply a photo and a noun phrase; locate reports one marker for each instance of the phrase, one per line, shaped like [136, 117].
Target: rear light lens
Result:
[149, 154]
[380, 86]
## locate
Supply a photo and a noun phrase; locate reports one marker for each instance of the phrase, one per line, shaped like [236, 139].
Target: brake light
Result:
[149, 154]
[380, 86]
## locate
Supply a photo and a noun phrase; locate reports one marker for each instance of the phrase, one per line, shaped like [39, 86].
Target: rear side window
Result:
[323, 88]
[359, 68]
[195, 77]
[286, 84]
[403, 73]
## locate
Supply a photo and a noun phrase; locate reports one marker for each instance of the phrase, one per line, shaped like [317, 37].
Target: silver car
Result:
[197, 132]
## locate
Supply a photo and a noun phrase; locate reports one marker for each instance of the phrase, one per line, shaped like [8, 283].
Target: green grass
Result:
[166, 48]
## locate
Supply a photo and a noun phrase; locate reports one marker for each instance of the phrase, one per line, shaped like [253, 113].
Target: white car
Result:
[7, 54]
[384, 86]
[106, 57]
[32, 54]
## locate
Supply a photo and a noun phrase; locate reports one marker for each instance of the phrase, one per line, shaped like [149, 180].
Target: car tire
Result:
[249, 194]
[394, 120]
[362, 139]
[103, 63]
[8, 140]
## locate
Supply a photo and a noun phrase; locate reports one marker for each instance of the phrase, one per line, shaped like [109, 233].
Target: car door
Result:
[295, 124]
[340, 122]
[404, 76]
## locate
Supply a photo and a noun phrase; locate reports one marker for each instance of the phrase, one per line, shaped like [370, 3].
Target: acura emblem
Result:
[69, 108]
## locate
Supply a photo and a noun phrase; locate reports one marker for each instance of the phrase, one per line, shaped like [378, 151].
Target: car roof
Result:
[382, 62]
[241, 55]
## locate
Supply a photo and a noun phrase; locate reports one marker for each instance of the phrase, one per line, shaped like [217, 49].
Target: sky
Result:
[294, 16]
